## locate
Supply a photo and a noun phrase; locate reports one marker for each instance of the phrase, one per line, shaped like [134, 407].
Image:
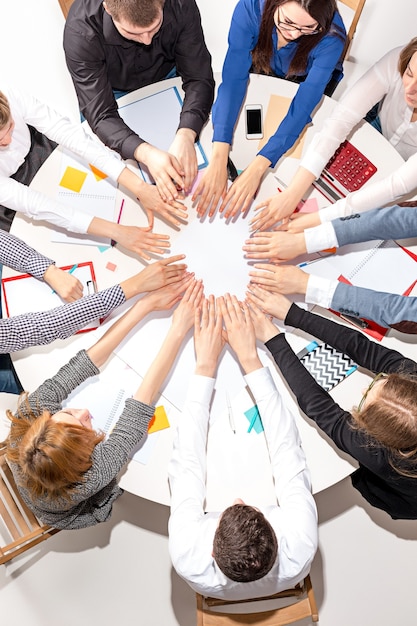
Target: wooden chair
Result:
[304, 605]
[17, 522]
[348, 17]
[65, 6]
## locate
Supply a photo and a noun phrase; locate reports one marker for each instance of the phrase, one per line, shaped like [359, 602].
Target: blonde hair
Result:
[391, 419]
[52, 456]
[5, 113]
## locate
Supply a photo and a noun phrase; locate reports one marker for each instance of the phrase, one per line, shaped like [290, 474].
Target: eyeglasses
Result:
[303, 30]
[378, 377]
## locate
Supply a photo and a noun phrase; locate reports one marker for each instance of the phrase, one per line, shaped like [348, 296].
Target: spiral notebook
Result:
[327, 365]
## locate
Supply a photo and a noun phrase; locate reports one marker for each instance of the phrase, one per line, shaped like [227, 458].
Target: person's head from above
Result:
[388, 412]
[6, 122]
[407, 66]
[136, 20]
[53, 452]
[307, 21]
[245, 546]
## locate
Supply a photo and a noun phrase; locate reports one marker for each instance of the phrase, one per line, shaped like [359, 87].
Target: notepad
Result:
[25, 294]
[327, 365]
[85, 188]
[164, 110]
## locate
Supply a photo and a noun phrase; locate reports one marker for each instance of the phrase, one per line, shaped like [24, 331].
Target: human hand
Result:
[141, 240]
[273, 303]
[211, 187]
[183, 149]
[67, 286]
[208, 337]
[241, 194]
[151, 201]
[240, 332]
[272, 210]
[165, 297]
[299, 222]
[154, 276]
[184, 314]
[275, 245]
[279, 278]
[164, 169]
[265, 329]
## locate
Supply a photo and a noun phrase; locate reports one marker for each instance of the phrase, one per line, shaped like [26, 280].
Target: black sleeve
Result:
[362, 350]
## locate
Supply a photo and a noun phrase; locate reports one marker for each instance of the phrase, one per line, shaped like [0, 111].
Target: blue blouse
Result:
[243, 35]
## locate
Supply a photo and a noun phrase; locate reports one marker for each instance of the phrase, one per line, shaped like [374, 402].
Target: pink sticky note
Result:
[310, 206]
[111, 266]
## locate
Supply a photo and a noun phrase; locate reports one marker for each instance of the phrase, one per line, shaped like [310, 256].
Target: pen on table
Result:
[231, 419]
[113, 242]
[70, 271]
[320, 258]
[355, 320]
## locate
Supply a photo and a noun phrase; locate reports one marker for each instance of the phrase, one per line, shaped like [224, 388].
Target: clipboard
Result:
[26, 294]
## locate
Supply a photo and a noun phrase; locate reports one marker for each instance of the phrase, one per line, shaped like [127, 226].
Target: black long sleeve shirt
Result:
[100, 59]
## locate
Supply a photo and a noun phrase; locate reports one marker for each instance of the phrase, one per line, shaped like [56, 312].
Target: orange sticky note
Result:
[73, 179]
[159, 420]
[99, 175]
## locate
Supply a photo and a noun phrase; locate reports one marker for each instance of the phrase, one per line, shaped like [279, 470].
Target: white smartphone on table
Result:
[253, 117]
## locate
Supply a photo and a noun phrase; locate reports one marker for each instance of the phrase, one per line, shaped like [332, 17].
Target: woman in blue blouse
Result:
[301, 40]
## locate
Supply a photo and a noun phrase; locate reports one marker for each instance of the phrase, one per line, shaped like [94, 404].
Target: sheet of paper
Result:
[277, 109]
[165, 107]
[26, 294]
[85, 188]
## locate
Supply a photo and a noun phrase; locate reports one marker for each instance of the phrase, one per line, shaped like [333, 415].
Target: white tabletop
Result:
[149, 480]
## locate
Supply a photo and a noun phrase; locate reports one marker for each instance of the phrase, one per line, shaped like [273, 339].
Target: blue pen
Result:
[70, 271]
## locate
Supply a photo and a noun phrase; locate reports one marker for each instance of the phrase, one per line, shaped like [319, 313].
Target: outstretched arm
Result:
[160, 299]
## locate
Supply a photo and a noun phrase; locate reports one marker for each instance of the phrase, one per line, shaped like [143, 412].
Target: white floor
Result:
[119, 572]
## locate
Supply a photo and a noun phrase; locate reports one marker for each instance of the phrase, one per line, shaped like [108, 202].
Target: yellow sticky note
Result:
[159, 420]
[98, 174]
[73, 179]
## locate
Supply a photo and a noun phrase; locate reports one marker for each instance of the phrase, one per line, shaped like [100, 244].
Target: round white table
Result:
[253, 481]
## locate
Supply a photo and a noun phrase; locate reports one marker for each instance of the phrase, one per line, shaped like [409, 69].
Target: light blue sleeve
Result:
[393, 222]
[386, 309]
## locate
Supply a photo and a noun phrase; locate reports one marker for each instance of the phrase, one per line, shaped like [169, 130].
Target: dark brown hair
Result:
[52, 456]
[245, 546]
[391, 419]
[406, 54]
[320, 10]
[136, 12]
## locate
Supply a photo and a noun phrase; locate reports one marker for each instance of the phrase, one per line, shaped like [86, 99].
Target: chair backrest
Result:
[18, 525]
[350, 10]
[301, 604]
[65, 6]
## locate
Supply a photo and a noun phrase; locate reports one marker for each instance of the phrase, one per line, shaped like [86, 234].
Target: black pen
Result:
[355, 320]
[232, 173]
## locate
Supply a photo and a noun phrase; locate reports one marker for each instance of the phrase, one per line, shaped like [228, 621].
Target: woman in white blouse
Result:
[28, 130]
[392, 85]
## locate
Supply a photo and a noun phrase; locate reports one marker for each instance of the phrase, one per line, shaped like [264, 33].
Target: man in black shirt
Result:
[121, 45]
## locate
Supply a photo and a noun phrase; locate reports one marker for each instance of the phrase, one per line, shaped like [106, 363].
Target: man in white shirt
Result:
[245, 551]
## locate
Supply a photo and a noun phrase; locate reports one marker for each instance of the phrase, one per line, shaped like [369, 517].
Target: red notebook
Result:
[25, 294]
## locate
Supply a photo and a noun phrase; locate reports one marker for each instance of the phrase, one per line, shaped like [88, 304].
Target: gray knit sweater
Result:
[91, 502]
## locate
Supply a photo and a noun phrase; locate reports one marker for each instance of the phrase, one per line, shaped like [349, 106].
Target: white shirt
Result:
[294, 520]
[382, 81]
[25, 109]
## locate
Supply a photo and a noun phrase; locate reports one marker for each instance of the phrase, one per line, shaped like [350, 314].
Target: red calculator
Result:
[347, 171]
